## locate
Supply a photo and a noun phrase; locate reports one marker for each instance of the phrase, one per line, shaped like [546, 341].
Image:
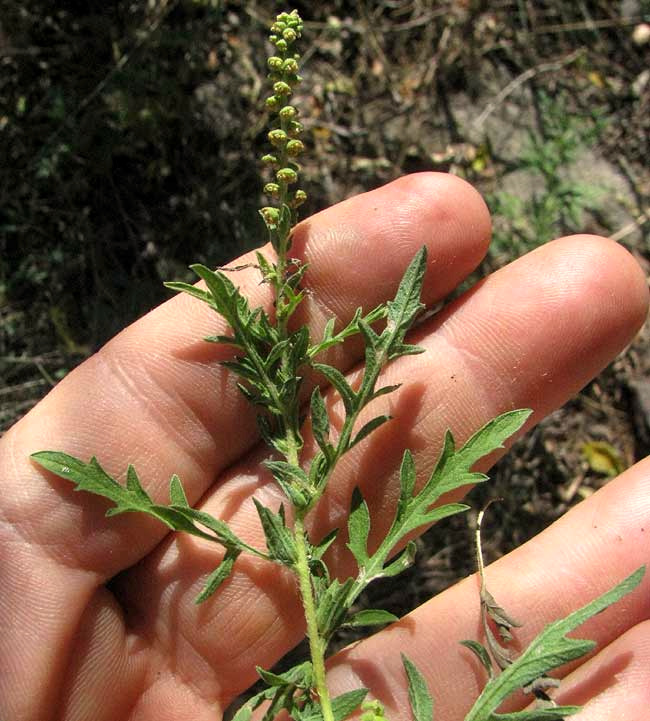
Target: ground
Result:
[544, 107]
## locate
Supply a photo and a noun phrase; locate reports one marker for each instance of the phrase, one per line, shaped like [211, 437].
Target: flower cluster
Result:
[285, 135]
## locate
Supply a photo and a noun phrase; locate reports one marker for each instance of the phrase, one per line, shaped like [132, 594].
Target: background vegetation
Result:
[129, 133]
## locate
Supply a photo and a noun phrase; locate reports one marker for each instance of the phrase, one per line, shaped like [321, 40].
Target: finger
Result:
[154, 397]
[449, 385]
[584, 554]
[615, 684]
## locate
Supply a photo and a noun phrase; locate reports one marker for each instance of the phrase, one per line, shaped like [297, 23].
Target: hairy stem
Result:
[316, 643]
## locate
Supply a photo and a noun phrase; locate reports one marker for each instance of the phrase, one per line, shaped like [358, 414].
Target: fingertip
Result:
[359, 248]
[603, 271]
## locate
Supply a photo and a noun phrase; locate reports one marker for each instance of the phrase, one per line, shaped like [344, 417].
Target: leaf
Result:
[318, 551]
[418, 519]
[371, 617]
[191, 290]
[226, 298]
[342, 706]
[293, 481]
[358, 528]
[401, 563]
[300, 676]
[91, 477]
[503, 620]
[550, 649]
[406, 304]
[419, 695]
[320, 423]
[603, 458]
[557, 713]
[347, 703]
[337, 379]
[453, 469]
[369, 427]
[407, 477]
[332, 606]
[219, 575]
[279, 540]
[217, 526]
[384, 390]
[479, 650]
[177, 495]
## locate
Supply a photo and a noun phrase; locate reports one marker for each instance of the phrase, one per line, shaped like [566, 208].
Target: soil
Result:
[397, 86]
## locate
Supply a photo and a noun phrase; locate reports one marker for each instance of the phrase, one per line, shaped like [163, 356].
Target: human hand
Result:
[97, 615]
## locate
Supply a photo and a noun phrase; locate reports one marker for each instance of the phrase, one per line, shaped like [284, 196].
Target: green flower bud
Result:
[278, 27]
[281, 45]
[288, 112]
[289, 35]
[277, 138]
[270, 160]
[295, 128]
[290, 66]
[294, 148]
[281, 88]
[272, 102]
[287, 175]
[274, 63]
[273, 189]
[271, 216]
[299, 198]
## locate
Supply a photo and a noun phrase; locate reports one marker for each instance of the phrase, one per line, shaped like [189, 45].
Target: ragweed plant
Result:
[271, 358]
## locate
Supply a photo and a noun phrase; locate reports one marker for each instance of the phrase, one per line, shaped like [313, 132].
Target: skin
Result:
[97, 619]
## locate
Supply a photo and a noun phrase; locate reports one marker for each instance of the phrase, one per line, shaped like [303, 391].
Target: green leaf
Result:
[318, 550]
[479, 650]
[217, 526]
[347, 703]
[293, 481]
[177, 495]
[332, 606]
[320, 423]
[343, 706]
[89, 477]
[384, 390]
[358, 528]
[368, 428]
[550, 649]
[401, 563]
[279, 540]
[602, 457]
[371, 617]
[557, 713]
[132, 498]
[419, 695]
[397, 350]
[218, 576]
[337, 379]
[453, 469]
[417, 519]
[193, 291]
[406, 305]
[407, 477]
[227, 299]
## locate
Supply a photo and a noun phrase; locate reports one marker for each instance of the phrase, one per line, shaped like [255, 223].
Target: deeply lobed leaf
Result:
[550, 649]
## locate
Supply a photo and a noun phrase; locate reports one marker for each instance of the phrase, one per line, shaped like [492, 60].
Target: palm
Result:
[139, 648]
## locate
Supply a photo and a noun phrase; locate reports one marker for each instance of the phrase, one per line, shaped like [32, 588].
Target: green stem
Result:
[316, 643]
